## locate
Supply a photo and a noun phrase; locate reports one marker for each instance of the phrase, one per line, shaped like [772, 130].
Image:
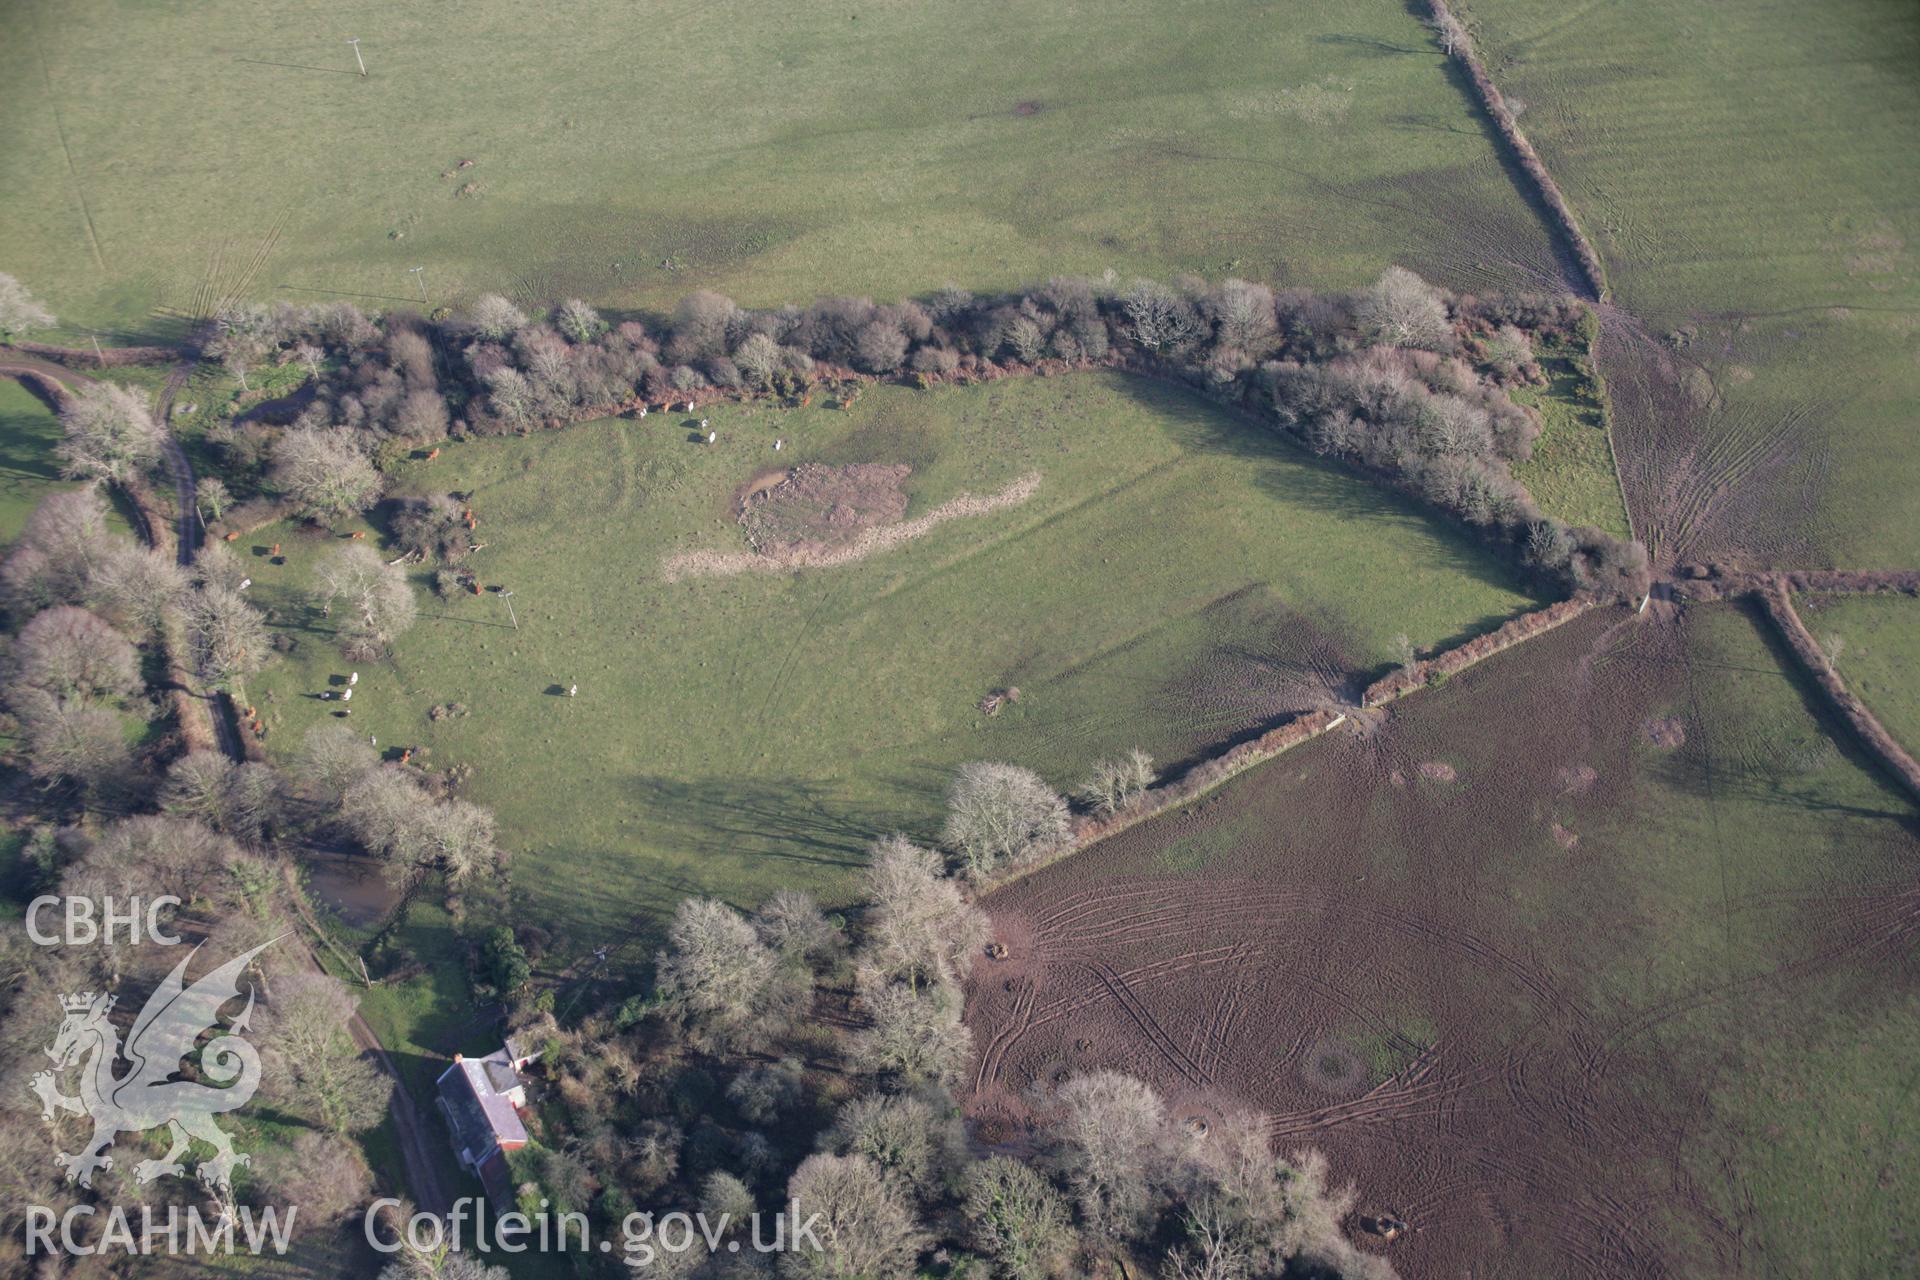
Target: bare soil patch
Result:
[1665, 731]
[816, 509]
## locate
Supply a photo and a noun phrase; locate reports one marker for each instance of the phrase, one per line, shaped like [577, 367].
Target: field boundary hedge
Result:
[104, 358]
[1425, 671]
[1507, 125]
[1236, 760]
[1777, 601]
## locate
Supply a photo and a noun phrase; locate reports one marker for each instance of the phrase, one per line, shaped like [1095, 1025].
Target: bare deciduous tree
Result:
[765, 1089]
[511, 396]
[1402, 310]
[1017, 1219]
[235, 799]
[375, 596]
[1111, 1135]
[108, 434]
[580, 322]
[866, 1229]
[324, 470]
[1000, 813]
[318, 1069]
[717, 974]
[73, 654]
[922, 929]
[880, 346]
[792, 923]
[1157, 317]
[63, 544]
[322, 1173]
[139, 587]
[1115, 784]
[20, 312]
[159, 855]
[901, 1132]
[759, 357]
[332, 758]
[73, 742]
[227, 635]
[218, 565]
[724, 1198]
[1243, 318]
[416, 837]
[915, 1035]
[705, 324]
[1509, 351]
[492, 316]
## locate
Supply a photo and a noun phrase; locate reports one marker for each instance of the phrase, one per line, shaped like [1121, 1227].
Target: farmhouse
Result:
[482, 1099]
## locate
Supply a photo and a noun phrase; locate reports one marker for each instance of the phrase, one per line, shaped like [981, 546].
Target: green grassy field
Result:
[630, 154]
[1571, 471]
[28, 469]
[1745, 174]
[1758, 835]
[733, 735]
[1879, 654]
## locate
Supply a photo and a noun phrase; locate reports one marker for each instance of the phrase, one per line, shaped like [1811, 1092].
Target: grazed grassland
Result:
[1175, 577]
[631, 153]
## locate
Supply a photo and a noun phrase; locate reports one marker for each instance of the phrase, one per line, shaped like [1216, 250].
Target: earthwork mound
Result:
[820, 509]
[818, 517]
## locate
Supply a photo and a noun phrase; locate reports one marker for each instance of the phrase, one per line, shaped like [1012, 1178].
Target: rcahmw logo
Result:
[179, 1022]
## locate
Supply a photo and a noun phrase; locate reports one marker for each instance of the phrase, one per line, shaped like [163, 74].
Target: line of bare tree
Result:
[1402, 379]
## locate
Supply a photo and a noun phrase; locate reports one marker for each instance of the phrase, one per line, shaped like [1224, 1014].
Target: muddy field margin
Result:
[1461, 48]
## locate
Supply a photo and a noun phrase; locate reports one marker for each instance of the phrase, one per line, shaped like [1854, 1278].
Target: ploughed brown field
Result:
[1515, 953]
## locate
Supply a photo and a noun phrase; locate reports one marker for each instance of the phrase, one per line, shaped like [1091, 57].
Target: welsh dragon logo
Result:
[148, 1094]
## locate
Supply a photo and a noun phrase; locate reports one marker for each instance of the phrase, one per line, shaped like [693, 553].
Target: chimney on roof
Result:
[458, 1058]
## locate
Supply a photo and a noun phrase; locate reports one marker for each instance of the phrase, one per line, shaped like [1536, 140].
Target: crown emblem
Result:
[82, 1002]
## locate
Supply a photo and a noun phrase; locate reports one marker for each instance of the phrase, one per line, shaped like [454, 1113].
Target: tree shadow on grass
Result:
[795, 819]
[1289, 473]
[1701, 769]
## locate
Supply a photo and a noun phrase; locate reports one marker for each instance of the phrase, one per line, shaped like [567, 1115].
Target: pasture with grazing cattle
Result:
[1175, 578]
[1595, 958]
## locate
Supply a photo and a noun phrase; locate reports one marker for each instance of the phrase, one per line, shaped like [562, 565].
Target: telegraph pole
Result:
[355, 42]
